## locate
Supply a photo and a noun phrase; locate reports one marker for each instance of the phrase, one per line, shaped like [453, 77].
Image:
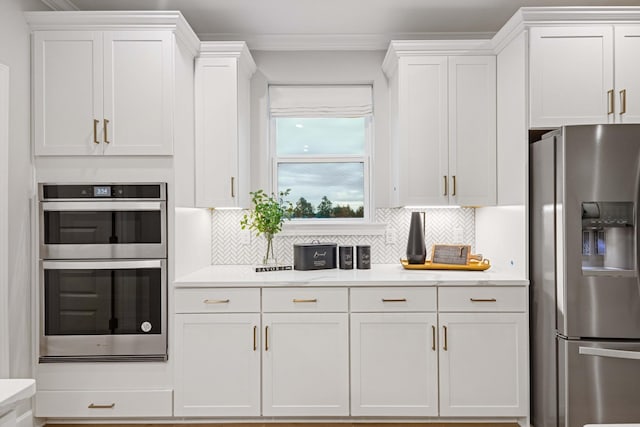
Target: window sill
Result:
[333, 229]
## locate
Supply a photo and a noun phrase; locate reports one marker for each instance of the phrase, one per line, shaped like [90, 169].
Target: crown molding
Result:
[116, 20]
[333, 42]
[229, 49]
[403, 48]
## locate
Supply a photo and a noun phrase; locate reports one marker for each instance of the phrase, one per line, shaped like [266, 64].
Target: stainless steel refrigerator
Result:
[585, 288]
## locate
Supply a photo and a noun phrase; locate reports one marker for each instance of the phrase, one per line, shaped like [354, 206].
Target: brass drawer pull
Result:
[216, 301]
[105, 123]
[445, 185]
[101, 406]
[433, 338]
[483, 299]
[610, 109]
[444, 345]
[266, 338]
[95, 131]
[623, 101]
[255, 338]
[454, 186]
[305, 300]
[233, 185]
[394, 300]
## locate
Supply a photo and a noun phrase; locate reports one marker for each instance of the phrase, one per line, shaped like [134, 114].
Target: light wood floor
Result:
[311, 424]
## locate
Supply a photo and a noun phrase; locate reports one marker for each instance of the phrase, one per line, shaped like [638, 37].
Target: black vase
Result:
[416, 250]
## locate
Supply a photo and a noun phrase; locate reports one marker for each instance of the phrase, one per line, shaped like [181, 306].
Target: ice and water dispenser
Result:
[608, 237]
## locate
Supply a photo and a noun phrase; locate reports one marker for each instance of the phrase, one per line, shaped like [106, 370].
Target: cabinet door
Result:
[627, 70]
[483, 364]
[217, 132]
[67, 92]
[422, 130]
[394, 366]
[138, 93]
[305, 364]
[472, 130]
[217, 365]
[571, 75]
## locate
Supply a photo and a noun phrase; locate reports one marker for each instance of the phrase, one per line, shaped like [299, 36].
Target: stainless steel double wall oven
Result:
[103, 276]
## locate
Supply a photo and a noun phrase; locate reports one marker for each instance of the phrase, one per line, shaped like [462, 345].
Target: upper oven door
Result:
[103, 229]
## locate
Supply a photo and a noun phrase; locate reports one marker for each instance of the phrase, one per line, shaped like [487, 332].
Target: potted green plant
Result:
[267, 216]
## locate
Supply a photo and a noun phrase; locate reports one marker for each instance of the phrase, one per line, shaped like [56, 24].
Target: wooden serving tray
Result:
[472, 265]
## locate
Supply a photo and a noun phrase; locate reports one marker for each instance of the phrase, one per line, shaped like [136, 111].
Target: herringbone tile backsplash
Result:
[441, 226]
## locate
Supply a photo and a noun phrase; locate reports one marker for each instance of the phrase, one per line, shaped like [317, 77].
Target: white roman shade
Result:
[320, 101]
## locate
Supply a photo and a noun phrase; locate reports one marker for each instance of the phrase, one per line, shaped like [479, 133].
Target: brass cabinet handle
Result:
[255, 338]
[104, 127]
[444, 345]
[610, 101]
[216, 301]
[483, 299]
[394, 300]
[305, 300]
[433, 338]
[445, 185]
[101, 406]
[623, 101]
[233, 191]
[95, 131]
[454, 186]
[266, 338]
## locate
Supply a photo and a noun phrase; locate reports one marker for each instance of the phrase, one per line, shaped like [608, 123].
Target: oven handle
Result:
[102, 265]
[102, 206]
[606, 352]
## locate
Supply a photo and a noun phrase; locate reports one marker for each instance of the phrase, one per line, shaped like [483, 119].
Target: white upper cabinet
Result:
[103, 92]
[627, 70]
[571, 75]
[443, 127]
[223, 73]
[472, 130]
[584, 75]
[104, 83]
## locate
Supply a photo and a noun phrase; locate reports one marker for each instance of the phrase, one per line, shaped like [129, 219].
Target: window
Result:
[321, 151]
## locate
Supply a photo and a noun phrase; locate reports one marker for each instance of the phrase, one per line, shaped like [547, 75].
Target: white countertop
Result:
[378, 275]
[13, 391]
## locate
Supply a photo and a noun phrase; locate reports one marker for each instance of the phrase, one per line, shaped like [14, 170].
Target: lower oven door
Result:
[103, 310]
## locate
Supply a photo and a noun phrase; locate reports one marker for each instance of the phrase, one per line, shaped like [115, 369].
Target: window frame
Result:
[366, 158]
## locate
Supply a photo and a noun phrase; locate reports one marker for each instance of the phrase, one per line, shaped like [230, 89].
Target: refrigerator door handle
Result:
[607, 352]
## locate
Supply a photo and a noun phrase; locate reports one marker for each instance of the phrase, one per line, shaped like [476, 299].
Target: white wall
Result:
[4, 221]
[320, 68]
[15, 53]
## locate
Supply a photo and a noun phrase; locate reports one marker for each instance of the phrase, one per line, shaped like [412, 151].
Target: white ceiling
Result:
[391, 19]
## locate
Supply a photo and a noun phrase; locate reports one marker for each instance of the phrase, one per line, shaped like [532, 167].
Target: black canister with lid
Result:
[363, 254]
[345, 254]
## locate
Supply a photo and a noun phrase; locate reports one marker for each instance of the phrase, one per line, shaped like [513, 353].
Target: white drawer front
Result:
[211, 300]
[305, 300]
[103, 404]
[482, 298]
[393, 299]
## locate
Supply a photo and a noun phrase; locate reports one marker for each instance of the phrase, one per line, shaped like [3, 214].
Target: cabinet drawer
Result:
[482, 299]
[393, 299]
[304, 300]
[220, 300]
[101, 404]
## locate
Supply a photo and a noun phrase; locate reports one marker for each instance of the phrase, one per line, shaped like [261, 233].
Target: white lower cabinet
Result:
[483, 353]
[217, 365]
[305, 364]
[217, 352]
[394, 364]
